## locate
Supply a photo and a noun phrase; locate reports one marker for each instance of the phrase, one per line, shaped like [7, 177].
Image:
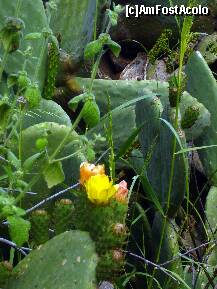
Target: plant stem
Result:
[95, 69]
[60, 146]
[185, 33]
[17, 12]
[12, 251]
[67, 157]
[20, 133]
[4, 60]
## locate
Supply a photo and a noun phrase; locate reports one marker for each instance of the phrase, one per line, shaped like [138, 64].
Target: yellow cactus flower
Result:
[99, 189]
[87, 170]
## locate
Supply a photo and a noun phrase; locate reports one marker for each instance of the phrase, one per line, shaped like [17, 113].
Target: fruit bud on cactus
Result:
[119, 229]
[5, 272]
[87, 170]
[122, 192]
[100, 189]
[117, 255]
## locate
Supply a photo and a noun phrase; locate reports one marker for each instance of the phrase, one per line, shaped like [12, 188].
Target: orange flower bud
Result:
[87, 170]
[122, 192]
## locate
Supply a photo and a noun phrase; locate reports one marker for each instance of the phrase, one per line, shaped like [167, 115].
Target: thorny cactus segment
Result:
[40, 221]
[62, 215]
[190, 116]
[174, 92]
[5, 272]
[101, 209]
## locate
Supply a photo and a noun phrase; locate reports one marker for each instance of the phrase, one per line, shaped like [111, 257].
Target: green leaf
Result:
[54, 174]
[12, 80]
[113, 16]
[114, 47]
[118, 8]
[194, 149]
[73, 103]
[30, 161]
[33, 36]
[5, 111]
[33, 96]
[6, 200]
[11, 210]
[18, 229]
[92, 49]
[128, 143]
[91, 113]
[14, 160]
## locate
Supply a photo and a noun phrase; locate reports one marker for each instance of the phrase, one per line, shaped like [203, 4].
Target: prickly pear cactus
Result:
[120, 92]
[35, 20]
[202, 85]
[74, 22]
[5, 272]
[211, 210]
[195, 116]
[48, 111]
[62, 215]
[50, 134]
[169, 249]
[157, 150]
[66, 261]
[39, 232]
[106, 224]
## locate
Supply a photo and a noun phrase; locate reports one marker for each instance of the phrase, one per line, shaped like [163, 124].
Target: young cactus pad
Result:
[67, 261]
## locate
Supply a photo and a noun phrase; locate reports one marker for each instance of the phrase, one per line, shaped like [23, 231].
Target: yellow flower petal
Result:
[99, 189]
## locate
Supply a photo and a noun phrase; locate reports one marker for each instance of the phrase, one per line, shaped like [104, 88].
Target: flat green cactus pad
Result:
[67, 261]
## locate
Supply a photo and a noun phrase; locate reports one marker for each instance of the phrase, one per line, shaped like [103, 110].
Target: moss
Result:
[161, 46]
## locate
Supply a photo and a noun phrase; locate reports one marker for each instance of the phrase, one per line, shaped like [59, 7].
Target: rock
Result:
[106, 285]
[158, 71]
[147, 29]
[136, 70]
